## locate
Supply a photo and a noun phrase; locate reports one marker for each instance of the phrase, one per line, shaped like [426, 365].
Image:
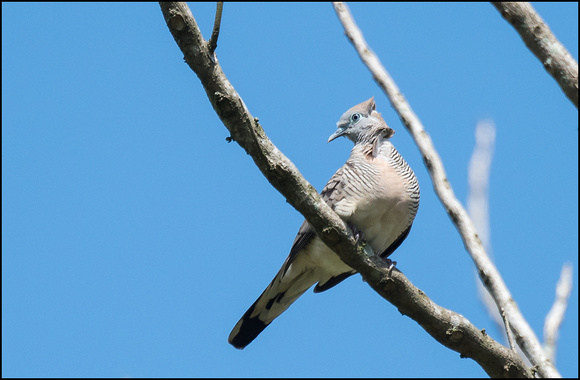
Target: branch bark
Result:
[543, 44]
[488, 273]
[449, 328]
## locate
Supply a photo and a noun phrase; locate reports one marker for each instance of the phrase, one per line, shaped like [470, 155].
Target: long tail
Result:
[278, 296]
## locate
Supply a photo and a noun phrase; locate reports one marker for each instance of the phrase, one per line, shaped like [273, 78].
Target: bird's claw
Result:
[389, 265]
[358, 234]
[359, 238]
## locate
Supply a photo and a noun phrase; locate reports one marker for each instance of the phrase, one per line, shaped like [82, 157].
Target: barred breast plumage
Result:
[375, 192]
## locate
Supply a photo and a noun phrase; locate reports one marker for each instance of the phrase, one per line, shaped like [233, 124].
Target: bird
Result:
[375, 192]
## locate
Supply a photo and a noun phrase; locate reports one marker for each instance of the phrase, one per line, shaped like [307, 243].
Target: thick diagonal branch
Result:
[447, 327]
[488, 273]
[543, 44]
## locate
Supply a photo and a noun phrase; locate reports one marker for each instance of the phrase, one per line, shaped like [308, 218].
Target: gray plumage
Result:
[375, 191]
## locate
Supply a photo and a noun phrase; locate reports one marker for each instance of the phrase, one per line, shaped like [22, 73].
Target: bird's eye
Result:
[355, 117]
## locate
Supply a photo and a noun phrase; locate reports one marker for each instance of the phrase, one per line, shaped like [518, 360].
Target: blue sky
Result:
[134, 236]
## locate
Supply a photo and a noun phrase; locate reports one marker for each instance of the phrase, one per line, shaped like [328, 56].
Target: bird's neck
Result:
[375, 143]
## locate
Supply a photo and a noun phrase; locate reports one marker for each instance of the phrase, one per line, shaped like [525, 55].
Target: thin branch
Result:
[488, 273]
[478, 178]
[216, 27]
[556, 314]
[478, 203]
[508, 332]
[543, 44]
[478, 207]
[447, 327]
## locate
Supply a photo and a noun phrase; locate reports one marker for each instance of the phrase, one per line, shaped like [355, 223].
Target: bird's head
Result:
[358, 121]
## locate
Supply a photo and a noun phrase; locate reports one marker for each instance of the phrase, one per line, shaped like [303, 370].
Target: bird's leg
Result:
[359, 237]
[358, 234]
[386, 263]
[389, 264]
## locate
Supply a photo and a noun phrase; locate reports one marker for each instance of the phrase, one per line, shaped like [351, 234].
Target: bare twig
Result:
[478, 202]
[478, 178]
[508, 332]
[478, 206]
[556, 314]
[447, 327]
[488, 273]
[216, 27]
[543, 44]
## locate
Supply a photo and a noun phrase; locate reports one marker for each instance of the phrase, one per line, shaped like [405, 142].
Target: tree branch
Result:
[478, 208]
[543, 44]
[556, 314]
[449, 328]
[508, 332]
[488, 273]
[478, 179]
[216, 26]
[478, 204]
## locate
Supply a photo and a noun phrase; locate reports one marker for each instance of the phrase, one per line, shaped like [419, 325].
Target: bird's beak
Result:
[339, 132]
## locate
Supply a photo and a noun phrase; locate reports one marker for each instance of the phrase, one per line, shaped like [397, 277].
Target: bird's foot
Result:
[359, 237]
[388, 264]
[358, 234]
